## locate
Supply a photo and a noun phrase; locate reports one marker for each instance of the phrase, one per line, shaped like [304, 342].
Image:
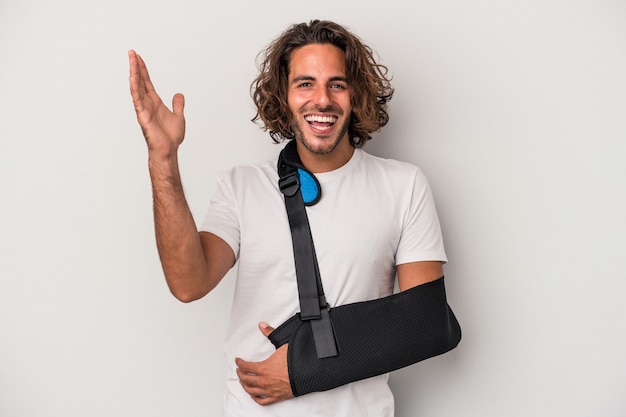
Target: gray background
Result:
[515, 111]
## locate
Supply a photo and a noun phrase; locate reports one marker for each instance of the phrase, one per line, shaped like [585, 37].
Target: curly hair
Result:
[370, 88]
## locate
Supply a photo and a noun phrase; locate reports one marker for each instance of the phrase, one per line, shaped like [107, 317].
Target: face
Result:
[319, 98]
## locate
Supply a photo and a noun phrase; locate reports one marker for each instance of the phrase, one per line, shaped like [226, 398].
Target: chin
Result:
[320, 146]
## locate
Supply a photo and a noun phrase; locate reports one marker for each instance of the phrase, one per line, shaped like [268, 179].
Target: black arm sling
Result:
[332, 347]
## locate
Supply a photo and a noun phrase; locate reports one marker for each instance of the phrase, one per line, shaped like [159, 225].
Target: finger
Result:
[244, 378]
[252, 384]
[266, 400]
[255, 386]
[132, 59]
[178, 104]
[265, 328]
[245, 366]
[136, 84]
[143, 71]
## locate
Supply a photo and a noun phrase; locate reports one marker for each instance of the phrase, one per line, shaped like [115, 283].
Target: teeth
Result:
[321, 119]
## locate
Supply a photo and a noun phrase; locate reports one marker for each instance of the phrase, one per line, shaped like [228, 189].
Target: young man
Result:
[320, 87]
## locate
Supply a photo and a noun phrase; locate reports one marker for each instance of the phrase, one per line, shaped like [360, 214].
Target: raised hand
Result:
[266, 382]
[163, 129]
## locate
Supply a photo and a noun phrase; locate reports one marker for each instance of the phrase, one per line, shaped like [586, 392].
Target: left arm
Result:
[417, 273]
[267, 382]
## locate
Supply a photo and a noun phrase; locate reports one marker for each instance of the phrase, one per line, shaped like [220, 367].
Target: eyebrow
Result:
[311, 78]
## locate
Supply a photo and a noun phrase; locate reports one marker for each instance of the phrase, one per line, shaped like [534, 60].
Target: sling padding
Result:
[375, 337]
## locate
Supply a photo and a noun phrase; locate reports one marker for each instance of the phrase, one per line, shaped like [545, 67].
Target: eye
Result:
[304, 85]
[338, 86]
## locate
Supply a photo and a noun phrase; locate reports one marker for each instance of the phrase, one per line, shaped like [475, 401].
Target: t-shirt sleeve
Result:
[221, 218]
[421, 238]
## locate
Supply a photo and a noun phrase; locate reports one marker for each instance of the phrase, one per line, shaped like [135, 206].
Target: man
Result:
[320, 86]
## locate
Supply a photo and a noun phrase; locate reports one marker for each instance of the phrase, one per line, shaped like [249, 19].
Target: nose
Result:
[322, 97]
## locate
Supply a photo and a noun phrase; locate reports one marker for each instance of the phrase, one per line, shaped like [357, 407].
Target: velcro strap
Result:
[324, 336]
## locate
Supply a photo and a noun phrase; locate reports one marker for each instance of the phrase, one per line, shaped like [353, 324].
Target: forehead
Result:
[317, 60]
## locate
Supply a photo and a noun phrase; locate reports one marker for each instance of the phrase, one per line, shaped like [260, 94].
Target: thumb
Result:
[178, 104]
[265, 328]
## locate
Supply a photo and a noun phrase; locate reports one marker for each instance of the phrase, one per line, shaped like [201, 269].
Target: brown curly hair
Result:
[369, 86]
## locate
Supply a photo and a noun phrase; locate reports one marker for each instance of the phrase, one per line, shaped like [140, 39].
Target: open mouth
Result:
[321, 123]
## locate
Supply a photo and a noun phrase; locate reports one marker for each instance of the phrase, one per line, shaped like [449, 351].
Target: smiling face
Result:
[319, 100]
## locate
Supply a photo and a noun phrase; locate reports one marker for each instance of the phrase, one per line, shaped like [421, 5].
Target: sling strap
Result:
[300, 188]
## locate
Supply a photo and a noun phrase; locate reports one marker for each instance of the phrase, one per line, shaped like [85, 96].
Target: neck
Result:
[318, 163]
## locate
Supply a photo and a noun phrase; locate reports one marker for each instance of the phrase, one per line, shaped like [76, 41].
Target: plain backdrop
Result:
[515, 110]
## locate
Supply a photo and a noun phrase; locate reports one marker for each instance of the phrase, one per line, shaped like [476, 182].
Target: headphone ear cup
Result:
[309, 187]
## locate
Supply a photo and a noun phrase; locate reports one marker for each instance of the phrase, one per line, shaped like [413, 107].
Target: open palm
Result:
[163, 129]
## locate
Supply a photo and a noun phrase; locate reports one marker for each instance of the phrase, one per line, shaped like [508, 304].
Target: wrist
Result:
[162, 152]
[163, 165]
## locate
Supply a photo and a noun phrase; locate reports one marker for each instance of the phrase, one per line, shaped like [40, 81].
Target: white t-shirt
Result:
[374, 214]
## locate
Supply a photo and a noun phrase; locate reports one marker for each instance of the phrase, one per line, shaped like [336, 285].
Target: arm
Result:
[193, 262]
[268, 381]
[375, 337]
[416, 273]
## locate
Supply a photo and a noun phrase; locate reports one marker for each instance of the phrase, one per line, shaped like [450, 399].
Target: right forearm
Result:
[177, 238]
